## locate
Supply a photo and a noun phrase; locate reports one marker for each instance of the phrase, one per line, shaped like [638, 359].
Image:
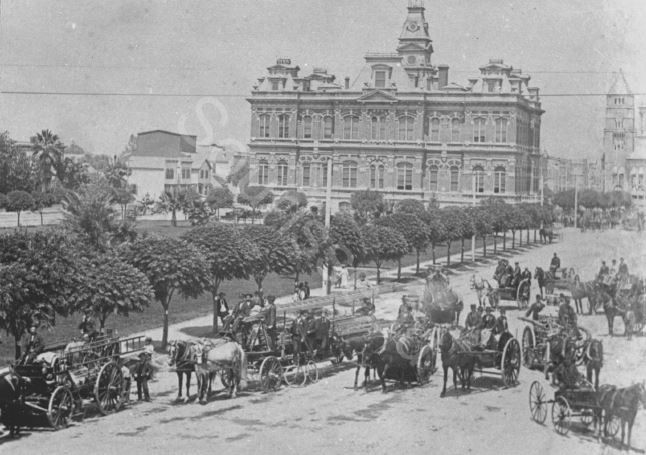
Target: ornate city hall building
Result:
[401, 128]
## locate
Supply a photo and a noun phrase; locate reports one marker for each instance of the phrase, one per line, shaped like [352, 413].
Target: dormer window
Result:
[274, 85]
[380, 79]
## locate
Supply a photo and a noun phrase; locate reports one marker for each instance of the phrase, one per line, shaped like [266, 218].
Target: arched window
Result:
[263, 172]
[376, 176]
[404, 176]
[328, 125]
[455, 178]
[282, 173]
[316, 127]
[349, 174]
[499, 179]
[283, 126]
[264, 125]
[307, 127]
[306, 173]
[405, 128]
[455, 130]
[478, 175]
[432, 178]
[318, 174]
[479, 126]
[435, 130]
[501, 130]
[351, 127]
[377, 128]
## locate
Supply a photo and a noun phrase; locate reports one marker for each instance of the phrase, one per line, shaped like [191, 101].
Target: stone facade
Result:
[401, 129]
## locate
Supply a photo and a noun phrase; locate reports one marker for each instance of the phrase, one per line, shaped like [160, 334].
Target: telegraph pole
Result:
[328, 213]
[576, 199]
[473, 239]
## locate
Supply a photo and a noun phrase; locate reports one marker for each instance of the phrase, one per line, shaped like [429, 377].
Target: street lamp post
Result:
[576, 199]
[328, 213]
[473, 239]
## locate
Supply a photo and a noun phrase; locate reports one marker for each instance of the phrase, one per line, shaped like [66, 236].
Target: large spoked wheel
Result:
[561, 416]
[271, 374]
[529, 344]
[312, 372]
[425, 365]
[537, 402]
[295, 375]
[61, 405]
[108, 388]
[510, 363]
[612, 426]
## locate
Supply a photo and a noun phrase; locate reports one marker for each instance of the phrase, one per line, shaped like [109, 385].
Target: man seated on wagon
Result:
[270, 319]
[31, 345]
[526, 275]
[622, 271]
[298, 331]
[555, 264]
[567, 316]
[473, 319]
[321, 332]
[486, 327]
[367, 307]
[613, 270]
[604, 271]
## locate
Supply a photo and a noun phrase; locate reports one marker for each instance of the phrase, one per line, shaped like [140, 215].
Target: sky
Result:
[209, 53]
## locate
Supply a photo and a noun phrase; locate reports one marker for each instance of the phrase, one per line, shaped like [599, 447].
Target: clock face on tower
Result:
[412, 27]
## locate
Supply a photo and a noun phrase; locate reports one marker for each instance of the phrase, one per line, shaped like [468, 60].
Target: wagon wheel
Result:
[522, 294]
[226, 377]
[294, 375]
[271, 374]
[537, 402]
[61, 405]
[561, 415]
[312, 372]
[612, 426]
[108, 388]
[425, 364]
[529, 344]
[510, 363]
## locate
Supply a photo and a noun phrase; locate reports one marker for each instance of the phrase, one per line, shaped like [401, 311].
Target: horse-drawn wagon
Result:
[511, 287]
[583, 402]
[56, 386]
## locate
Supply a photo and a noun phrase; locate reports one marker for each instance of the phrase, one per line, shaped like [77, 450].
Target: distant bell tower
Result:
[618, 133]
[415, 46]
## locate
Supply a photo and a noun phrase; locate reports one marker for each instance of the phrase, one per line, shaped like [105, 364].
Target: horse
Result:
[580, 291]
[593, 360]
[179, 354]
[559, 349]
[623, 403]
[546, 235]
[545, 280]
[229, 359]
[10, 402]
[392, 361]
[478, 284]
[364, 348]
[455, 355]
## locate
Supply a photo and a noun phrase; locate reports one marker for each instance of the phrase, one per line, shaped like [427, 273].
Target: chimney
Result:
[347, 82]
[443, 71]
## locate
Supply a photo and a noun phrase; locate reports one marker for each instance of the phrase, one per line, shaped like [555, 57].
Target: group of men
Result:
[614, 273]
[484, 329]
[234, 321]
[301, 290]
[514, 275]
[311, 332]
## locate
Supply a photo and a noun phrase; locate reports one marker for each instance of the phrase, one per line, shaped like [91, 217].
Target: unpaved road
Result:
[330, 417]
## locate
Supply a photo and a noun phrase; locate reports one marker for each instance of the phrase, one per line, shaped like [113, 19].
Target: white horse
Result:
[227, 358]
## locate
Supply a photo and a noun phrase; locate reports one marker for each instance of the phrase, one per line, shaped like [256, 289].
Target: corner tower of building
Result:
[619, 132]
[415, 44]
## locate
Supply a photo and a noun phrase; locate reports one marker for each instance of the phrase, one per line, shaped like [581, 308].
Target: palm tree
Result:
[48, 151]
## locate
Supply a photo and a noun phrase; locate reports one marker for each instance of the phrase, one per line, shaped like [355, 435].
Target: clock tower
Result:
[415, 45]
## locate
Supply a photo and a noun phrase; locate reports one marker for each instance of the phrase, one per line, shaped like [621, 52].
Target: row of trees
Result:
[591, 199]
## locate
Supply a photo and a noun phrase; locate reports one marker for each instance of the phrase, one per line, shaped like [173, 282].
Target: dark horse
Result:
[365, 349]
[545, 280]
[11, 409]
[546, 234]
[456, 355]
[623, 404]
[180, 357]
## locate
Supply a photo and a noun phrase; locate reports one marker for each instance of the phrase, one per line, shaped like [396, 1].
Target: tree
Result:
[111, 286]
[48, 152]
[367, 205]
[3, 201]
[291, 201]
[172, 266]
[382, 243]
[71, 174]
[19, 201]
[129, 149]
[239, 174]
[199, 212]
[518, 222]
[39, 278]
[343, 245]
[175, 201]
[255, 196]
[278, 253]
[98, 162]
[435, 229]
[147, 203]
[117, 173]
[500, 219]
[467, 229]
[43, 201]
[123, 196]
[452, 223]
[482, 225]
[564, 199]
[16, 169]
[228, 255]
[413, 206]
[414, 231]
[220, 198]
[89, 214]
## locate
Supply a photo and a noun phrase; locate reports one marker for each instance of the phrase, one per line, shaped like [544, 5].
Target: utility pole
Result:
[328, 213]
[473, 239]
[576, 199]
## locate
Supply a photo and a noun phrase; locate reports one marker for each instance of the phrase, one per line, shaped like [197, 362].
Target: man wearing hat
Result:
[535, 308]
[473, 319]
[322, 331]
[501, 325]
[488, 323]
[555, 264]
[567, 315]
[221, 306]
[623, 268]
[298, 331]
[31, 345]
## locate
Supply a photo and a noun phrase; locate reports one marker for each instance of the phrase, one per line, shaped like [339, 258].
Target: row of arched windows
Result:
[315, 175]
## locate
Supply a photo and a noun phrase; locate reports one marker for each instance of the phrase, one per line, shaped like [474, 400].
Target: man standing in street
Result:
[270, 320]
[623, 268]
[555, 264]
[221, 306]
[535, 308]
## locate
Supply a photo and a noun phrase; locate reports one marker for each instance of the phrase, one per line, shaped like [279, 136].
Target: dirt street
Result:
[330, 417]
